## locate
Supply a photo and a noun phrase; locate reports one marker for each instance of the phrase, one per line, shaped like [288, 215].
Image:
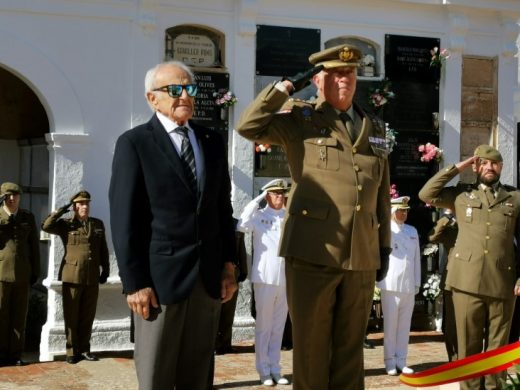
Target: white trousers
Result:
[271, 314]
[397, 317]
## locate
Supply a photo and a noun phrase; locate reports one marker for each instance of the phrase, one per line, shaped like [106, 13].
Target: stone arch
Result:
[47, 81]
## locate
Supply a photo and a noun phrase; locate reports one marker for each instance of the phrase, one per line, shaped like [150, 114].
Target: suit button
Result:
[358, 207]
[320, 141]
[487, 237]
[356, 168]
[359, 187]
[509, 268]
[488, 223]
[456, 255]
[354, 150]
[305, 212]
[486, 251]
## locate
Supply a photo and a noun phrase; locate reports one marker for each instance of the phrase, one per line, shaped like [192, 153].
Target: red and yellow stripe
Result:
[484, 363]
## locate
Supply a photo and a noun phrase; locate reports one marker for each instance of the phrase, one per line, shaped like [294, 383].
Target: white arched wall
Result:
[67, 141]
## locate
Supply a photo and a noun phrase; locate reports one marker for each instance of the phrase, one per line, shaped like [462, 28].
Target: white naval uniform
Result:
[398, 290]
[268, 278]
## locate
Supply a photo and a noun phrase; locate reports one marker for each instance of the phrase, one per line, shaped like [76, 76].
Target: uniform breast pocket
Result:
[322, 153]
[73, 238]
[472, 209]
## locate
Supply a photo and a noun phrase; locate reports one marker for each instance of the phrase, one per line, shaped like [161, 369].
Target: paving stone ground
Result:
[115, 370]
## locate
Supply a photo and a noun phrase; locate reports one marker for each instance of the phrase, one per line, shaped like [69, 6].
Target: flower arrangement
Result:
[430, 152]
[431, 288]
[368, 60]
[430, 249]
[262, 148]
[378, 97]
[224, 98]
[377, 294]
[438, 56]
[394, 194]
[390, 138]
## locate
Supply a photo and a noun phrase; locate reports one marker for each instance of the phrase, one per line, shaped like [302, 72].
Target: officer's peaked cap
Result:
[400, 203]
[80, 197]
[276, 185]
[336, 57]
[488, 152]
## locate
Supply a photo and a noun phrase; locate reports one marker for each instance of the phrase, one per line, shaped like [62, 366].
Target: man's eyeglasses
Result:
[175, 90]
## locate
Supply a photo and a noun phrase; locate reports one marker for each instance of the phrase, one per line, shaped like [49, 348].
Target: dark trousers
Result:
[14, 300]
[174, 348]
[79, 310]
[225, 323]
[329, 310]
[448, 324]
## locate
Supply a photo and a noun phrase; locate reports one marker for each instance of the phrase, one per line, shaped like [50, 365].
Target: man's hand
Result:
[463, 165]
[103, 277]
[63, 209]
[139, 301]
[384, 255]
[301, 80]
[229, 283]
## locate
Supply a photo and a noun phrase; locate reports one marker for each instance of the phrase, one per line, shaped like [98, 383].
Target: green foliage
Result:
[513, 381]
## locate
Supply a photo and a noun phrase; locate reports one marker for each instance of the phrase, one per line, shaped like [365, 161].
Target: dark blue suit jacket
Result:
[164, 235]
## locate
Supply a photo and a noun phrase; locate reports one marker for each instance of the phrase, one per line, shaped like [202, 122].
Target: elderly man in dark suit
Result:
[19, 269]
[173, 233]
[482, 264]
[337, 227]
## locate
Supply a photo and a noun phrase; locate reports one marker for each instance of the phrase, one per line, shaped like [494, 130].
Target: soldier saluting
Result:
[19, 269]
[481, 267]
[85, 252]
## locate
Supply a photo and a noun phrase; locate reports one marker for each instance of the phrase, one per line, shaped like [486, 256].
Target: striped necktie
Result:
[188, 158]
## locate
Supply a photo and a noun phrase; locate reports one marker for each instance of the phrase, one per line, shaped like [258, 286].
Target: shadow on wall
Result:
[36, 318]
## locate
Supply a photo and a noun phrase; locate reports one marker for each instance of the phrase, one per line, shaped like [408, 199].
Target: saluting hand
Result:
[140, 300]
[463, 165]
[229, 283]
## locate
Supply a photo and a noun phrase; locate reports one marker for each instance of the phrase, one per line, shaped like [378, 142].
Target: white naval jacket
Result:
[266, 226]
[404, 270]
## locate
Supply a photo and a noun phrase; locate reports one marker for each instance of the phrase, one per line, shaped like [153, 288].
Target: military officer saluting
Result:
[482, 265]
[337, 228]
[85, 253]
[19, 269]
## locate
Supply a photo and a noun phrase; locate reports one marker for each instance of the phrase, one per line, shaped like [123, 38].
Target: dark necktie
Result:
[347, 120]
[188, 158]
[489, 195]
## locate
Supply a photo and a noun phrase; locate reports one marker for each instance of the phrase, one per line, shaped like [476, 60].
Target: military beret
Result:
[276, 185]
[11, 188]
[400, 203]
[488, 152]
[80, 197]
[337, 56]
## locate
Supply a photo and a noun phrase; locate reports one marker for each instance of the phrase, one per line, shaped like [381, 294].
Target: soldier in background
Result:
[85, 253]
[19, 269]
[482, 265]
[445, 232]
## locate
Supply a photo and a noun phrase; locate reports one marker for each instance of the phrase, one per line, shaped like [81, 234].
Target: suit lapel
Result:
[164, 143]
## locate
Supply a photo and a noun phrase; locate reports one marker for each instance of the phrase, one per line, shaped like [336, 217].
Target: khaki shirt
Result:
[483, 259]
[338, 211]
[19, 249]
[85, 248]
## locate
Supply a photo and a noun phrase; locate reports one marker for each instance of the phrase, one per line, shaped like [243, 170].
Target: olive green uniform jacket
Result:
[85, 248]
[338, 211]
[19, 249]
[482, 262]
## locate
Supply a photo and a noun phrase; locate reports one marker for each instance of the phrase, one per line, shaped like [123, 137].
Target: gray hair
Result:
[149, 79]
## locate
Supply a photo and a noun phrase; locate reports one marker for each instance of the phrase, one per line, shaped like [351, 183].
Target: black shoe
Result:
[224, 350]
[367, 344]
[286, 347]
[88, 356]
[19, 362]
[72, 359]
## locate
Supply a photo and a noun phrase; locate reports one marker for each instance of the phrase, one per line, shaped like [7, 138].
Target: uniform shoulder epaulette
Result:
[509, 187]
